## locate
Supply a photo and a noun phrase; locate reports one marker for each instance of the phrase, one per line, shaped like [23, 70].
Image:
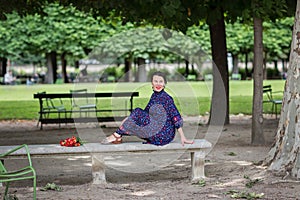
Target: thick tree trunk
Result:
[257, 136]
[284, 155]
[219, 111]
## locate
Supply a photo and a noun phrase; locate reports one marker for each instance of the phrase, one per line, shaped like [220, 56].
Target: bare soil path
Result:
[232, 166]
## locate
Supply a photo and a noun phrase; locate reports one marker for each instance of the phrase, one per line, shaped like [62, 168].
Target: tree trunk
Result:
[235, 60]
[276, 71]
[142, 74]
[3, 69]
[219, 111]
[257, 136]
[283, 65]
[284, 155]
[64, 68]
[51, 67]
[187, 71]
[128, 71]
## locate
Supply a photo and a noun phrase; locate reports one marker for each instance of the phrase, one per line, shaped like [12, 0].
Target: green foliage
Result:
[244, 195]
[69, 31]
[175, 14]
[51, 186]
[148, 42]
[277, 38]
[273, 73]
[239, 38]
[111, 71]
[181, 70]
[266, 10]
[251, 182]
[232, 154]
[201, 35]
[201, 183]
[116, 72]
[242, 71]
[61, 29]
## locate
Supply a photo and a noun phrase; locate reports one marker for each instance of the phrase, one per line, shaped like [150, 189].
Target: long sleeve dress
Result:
[156, 124]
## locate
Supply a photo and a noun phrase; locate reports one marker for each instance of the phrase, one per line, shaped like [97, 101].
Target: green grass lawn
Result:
[192, 98]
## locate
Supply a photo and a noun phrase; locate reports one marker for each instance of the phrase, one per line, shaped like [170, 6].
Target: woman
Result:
[157, 123]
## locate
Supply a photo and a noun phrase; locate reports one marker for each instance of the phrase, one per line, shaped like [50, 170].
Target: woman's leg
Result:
[123, 121]
[115, 137]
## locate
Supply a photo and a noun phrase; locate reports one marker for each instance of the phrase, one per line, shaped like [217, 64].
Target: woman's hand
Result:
[183, 139]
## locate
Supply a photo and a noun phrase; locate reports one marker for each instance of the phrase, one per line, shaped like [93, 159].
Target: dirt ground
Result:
[232, 168]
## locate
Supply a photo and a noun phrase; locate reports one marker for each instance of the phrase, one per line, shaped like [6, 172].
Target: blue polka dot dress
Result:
[156, 124]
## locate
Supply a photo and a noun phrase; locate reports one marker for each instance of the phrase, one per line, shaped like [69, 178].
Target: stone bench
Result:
[98, 152]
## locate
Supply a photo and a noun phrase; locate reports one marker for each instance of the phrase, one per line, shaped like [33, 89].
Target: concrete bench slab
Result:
[98, 152]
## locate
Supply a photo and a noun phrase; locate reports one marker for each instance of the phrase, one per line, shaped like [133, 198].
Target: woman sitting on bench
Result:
[156, 124]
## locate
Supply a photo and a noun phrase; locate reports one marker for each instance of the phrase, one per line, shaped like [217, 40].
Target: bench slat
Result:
[79, 95]
[49, 149]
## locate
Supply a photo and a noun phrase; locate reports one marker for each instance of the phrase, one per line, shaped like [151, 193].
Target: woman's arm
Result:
[183, 139]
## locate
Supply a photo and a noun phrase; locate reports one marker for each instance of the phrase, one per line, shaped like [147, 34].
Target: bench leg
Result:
[98, 169]
[198, 160]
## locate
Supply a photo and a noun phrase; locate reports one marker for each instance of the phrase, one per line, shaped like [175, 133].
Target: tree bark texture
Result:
[257, 136]
[284, 155]
[219, 111]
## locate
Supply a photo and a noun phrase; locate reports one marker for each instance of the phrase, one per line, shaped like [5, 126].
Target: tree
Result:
[60, 31]
[148, 42]
[66, 32]
[219, 110]
[277, 41]
[179, 15]
[257, 136]
[258, 11]
[239, 38]
[284, 156]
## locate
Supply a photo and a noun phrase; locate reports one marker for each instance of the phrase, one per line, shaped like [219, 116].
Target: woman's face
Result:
[158, 83]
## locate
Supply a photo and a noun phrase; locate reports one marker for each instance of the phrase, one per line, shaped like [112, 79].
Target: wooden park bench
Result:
[50, 113]
[98, 152]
